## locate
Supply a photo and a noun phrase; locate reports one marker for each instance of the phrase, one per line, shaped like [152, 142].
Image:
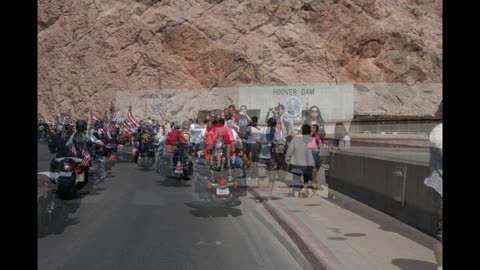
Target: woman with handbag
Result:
[314, 117]
[315, 145]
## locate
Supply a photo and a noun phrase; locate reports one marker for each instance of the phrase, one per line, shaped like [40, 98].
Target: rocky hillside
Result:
[89, 49]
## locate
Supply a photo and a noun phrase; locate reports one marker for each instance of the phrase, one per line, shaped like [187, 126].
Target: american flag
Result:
[41, 119]
[52, 121]
[113, 114]
[94, 118]
[74, 150]
[68, 119]
[98, 123]
[59, 119]
[106, 127]
[131, 123]
[113, 119]
[86, 158]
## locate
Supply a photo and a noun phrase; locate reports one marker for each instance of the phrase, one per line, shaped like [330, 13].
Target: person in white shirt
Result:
[253, 133]
[262, 173]
[237, 161]
[435, 181]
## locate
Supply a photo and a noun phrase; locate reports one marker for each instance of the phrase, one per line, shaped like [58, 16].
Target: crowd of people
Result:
[262, 151]
[259, 150]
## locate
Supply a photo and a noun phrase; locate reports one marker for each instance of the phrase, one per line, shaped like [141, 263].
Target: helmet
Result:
[81, 125]
[176, 125]
[59, 128]
[185, 125]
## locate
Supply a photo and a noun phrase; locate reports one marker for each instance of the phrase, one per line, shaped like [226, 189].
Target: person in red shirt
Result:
[209, 138]
[227, 134]
[175, 137]
[216, 133]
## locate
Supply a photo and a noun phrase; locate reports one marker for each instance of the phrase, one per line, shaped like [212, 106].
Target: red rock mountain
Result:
[90, 49]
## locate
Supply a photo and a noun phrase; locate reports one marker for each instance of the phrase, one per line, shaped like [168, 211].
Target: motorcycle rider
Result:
[144, 137]
[106, 141]
[209, 140]
[185, 129]
[224, 135]
[81, 141]
[44, 131]
[176, 138]
[57, 145]
[69, 130]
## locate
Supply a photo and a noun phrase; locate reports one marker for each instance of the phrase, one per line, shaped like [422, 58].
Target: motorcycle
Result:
[146, 158]
[69, 176]
[124, 153]
[179, 166]
[43, 134]
[175, 164]
[224, 186]
[108, 152]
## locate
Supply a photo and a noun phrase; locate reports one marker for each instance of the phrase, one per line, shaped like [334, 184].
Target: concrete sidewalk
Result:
[337, 232]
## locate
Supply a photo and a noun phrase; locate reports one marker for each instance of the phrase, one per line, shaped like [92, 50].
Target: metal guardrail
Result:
[394, 187]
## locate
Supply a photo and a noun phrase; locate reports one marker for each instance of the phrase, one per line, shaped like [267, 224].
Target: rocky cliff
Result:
[90, 49]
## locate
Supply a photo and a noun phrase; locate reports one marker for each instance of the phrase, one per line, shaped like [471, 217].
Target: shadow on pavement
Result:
[124, 161]
[385, 222]
[337, 238]
[206, 210]
[54, 214]
[142, 169]
[92, 191]
[355, 234]
[170, 182]
[409, 264]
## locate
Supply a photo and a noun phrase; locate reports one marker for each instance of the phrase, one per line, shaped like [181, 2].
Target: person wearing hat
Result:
[80, 142]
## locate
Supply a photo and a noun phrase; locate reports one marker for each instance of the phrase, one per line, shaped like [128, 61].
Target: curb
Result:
[268, 220]
[315, 252]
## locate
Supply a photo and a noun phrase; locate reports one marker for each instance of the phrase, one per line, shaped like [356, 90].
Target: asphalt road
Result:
[139, 220]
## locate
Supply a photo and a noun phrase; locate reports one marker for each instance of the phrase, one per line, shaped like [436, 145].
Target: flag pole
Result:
[89, 116]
